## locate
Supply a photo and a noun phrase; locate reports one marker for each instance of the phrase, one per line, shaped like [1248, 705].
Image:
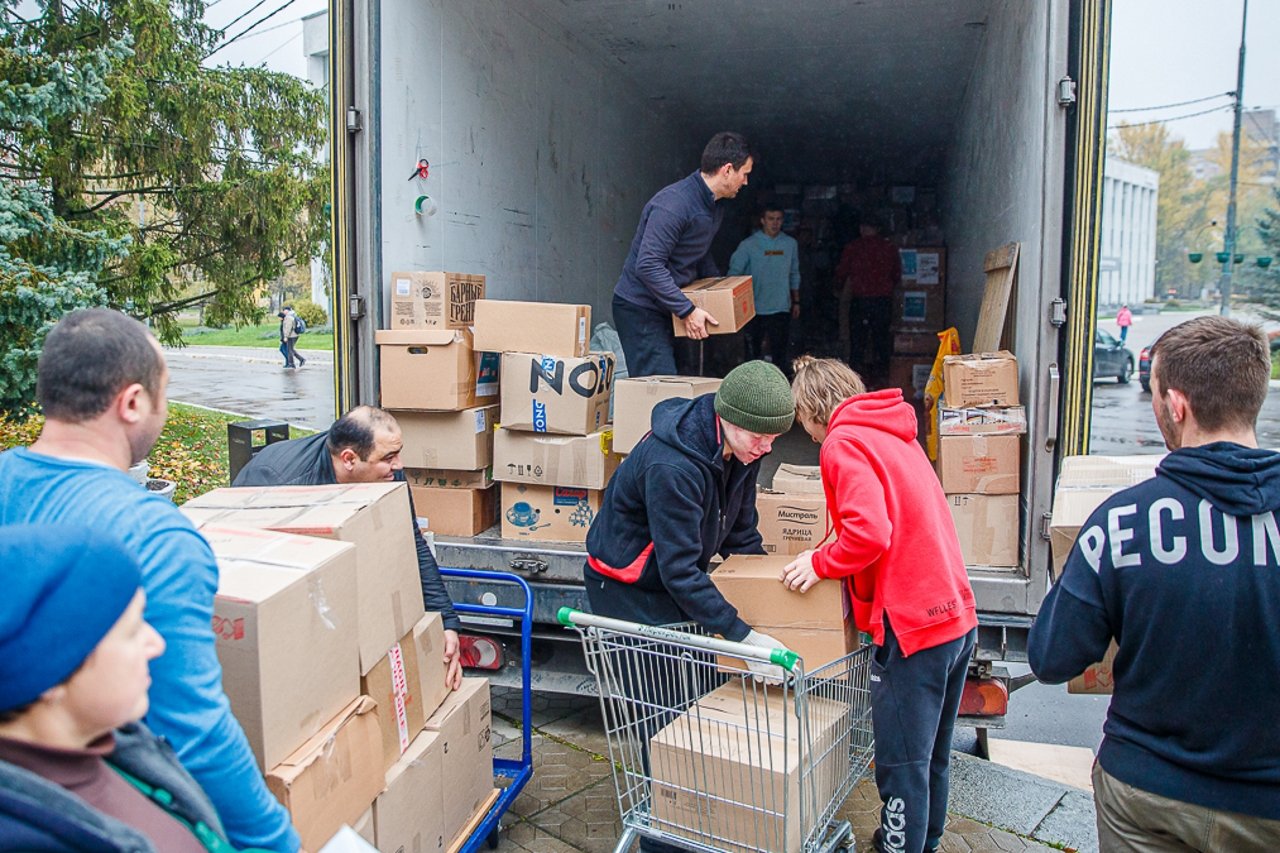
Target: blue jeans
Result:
[648, 339]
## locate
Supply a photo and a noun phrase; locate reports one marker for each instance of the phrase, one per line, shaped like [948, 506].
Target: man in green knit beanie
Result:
[686, 493]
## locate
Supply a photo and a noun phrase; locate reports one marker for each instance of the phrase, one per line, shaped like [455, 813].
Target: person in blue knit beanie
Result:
[77, 769]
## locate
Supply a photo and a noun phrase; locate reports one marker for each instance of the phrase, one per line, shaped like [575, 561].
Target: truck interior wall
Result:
[541, 155]
[993, 189]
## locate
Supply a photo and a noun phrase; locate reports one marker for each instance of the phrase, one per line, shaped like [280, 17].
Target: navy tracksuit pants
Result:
[914, 702]
[648, 339]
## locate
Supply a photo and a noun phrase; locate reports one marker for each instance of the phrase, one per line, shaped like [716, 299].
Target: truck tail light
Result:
[984, 697]
[479, 652]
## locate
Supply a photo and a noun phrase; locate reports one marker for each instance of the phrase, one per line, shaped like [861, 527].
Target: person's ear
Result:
[128, 403]
[1179, 406]
[348, 457]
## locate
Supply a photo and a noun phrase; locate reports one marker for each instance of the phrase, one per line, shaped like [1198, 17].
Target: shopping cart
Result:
[709, 756]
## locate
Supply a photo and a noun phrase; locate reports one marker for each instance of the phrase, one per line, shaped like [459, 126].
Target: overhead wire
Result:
[252, 27]
[1177, 104]
[1171, 118]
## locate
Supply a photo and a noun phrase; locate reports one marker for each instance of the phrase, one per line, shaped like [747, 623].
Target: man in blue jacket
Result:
[671, 248]
[101, 383]
[1183, 571]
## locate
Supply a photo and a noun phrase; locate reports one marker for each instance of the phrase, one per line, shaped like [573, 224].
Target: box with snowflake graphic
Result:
[548, 513]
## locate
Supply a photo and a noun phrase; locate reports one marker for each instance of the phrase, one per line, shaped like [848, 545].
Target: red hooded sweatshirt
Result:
[895, 540]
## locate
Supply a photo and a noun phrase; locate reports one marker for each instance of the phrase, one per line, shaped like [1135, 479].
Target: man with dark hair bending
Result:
[363, 446]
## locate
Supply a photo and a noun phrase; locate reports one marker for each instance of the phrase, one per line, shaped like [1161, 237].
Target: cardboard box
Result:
[434, 370]
[364, 827]
[444, 478]
[408, 685]
[987, 527]
[924, 266]
[791, 523]
[1010, 420]
[1084, 482]
[730, 767]
[916, 341]
[798, 479]
[464, 723]
[374, 517]
[548, 328]
[634, 400]
[409, 814]
[981, 379]
[333, 778]
[1099, 678]
[815, 625]
[911, 374]
[919, 306]
[434, 300]
[586, 461]
[548, 513]
[979, 464]
[287, 637]
[456, 512]
[568, 396]
[730, 299]
[458, 441]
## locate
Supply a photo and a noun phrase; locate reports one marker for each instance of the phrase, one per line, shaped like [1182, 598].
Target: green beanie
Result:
[756, 397]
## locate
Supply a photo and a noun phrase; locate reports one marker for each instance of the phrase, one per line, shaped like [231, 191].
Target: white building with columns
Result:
[1127, 265]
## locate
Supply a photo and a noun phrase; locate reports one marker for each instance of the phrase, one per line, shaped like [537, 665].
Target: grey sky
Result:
[1162, 51]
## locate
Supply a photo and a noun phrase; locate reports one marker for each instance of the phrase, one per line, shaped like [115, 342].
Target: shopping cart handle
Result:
[565, 615]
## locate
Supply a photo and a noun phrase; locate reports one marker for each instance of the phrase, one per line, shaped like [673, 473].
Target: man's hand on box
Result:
[695, 324]
[452, 661]
[799, 575]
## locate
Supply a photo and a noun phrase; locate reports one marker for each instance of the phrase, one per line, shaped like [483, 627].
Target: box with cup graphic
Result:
[548, 513]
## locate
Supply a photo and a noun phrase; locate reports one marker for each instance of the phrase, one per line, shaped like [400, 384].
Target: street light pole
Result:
[1230, 238]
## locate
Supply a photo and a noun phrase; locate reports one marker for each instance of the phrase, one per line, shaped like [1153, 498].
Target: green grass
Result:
[1275, 365]
[265, 335]
[191, 451]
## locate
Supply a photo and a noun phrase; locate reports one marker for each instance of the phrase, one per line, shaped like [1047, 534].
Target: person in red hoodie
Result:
[895, 546]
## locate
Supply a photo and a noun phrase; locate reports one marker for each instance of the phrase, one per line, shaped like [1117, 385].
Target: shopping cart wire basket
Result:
[711, 756]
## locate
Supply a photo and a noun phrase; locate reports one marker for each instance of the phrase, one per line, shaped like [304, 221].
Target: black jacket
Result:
[1184, 572]
[677, 492]
[306, 462]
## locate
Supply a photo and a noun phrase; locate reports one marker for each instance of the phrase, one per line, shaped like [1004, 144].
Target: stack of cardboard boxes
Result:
[918, 316]
[443, 390]
[979, 454]
[334, 670]
[553, 452]
[793, 512]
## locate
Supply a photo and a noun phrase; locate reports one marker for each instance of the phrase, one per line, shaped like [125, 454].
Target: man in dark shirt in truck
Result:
[672, 248]
[363, 446]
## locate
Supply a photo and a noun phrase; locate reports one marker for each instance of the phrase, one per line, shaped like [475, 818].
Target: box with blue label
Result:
[551, 394]
[548, 513]
[435, 370]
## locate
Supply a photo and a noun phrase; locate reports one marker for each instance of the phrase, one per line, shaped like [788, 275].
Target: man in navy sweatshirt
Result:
[672, 248]
[1183, 571]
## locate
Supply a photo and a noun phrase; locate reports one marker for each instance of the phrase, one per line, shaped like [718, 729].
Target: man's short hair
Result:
[771, 207]
[725, 147]
[89, 357]
[358, 430]
[1223, 367]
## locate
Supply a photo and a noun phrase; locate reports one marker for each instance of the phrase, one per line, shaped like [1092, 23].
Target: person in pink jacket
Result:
[895, 547]
[1124, 319]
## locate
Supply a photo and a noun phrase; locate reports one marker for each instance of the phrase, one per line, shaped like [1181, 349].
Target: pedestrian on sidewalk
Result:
[896, 549]
[1124, 319]
[1183, 573]
[289, 338]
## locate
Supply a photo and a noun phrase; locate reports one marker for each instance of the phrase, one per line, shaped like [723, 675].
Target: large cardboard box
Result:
[548, 513]
[586, 462]
[285, 623]
[911, 374]
[919, 306]
[979, 464]
[457, 512]
[791, 523]
[924, 266]
[333, 778]
[408, 685]
[409, 814]
[1099, 678]
[798, 479]
[730, 299]
[364, 827]
[568, 396]
[447, 478]
[458, 441]
[915, 341]
[981, 379]
[434, 370]
[730, 767]
[987, 527]
[434, 300]
[815, 625]
[464, 723]
[549, 328]
[634, 400]
[373, 516]
[1011, 420]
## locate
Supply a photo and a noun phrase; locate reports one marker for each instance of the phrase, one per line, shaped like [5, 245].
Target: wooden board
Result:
[1001, 266]
[1070, 765]
[472, 824]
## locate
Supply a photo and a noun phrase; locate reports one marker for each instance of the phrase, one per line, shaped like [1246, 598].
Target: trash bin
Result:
[240, 440]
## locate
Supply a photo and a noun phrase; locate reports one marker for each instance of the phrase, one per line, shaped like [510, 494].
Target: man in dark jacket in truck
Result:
[1183, 571]
[363, 446]
[672, 248]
